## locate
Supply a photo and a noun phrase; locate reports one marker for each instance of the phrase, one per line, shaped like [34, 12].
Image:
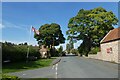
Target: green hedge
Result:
[16, 53]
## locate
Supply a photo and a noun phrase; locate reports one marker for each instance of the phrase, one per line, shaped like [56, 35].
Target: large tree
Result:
[91, 26]
[50, 35]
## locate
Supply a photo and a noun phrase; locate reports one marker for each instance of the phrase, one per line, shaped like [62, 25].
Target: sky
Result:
[59, 0]
[18, 17]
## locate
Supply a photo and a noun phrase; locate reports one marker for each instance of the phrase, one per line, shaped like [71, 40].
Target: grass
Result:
[15, 67]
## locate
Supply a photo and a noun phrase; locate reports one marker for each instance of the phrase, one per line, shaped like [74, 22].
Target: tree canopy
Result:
[91, 26]
[50, 35]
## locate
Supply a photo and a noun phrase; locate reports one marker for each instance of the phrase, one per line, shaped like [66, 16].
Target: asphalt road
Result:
[74, 67]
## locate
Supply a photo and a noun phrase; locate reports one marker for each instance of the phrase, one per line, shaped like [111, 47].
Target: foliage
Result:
[54, 52]
[91, 26]
[81, 49]
[63, 53]
[16, 53]
[9, 77]
[71, 42]
[60, 50]
[50, 34]
[94, 50]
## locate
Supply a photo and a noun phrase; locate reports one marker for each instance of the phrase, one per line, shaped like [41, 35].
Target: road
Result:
[74, 67]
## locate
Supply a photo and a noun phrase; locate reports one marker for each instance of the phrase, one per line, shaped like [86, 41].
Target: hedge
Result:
[16, 53]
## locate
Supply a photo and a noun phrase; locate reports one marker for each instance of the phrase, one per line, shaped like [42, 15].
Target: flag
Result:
[36, 31]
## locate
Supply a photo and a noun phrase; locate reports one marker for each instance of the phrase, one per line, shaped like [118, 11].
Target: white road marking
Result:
[56, 69]
[24, 74]
[53, 67]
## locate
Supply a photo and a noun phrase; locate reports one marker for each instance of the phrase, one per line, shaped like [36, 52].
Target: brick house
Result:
[110, 46]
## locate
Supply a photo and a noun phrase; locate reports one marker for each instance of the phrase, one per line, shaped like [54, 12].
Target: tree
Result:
[60, 50]
[91, 26]
[25, 43]
[71, 42]
[68, 48]
[50, 35]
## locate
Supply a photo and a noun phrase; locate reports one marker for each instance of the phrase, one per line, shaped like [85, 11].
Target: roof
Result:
[112, 35]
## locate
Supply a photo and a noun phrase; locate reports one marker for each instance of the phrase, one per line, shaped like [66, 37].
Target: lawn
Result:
[14, 67]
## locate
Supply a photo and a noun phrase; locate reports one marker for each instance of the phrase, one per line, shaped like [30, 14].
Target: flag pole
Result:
[28, 49]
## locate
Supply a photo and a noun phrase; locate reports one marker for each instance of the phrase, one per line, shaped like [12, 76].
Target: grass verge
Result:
[15, 67]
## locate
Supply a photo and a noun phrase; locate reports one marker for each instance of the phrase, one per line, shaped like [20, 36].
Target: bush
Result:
[94, 50]
[8, 77]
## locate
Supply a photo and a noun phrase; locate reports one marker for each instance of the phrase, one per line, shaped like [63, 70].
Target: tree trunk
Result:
[88, 46]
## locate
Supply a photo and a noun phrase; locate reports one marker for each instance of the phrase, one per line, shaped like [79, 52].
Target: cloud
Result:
[8, 24]
[23, 27]
[20, 27]
[76, 45]
[1, 26]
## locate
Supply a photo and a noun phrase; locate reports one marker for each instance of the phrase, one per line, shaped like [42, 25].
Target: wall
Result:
[119, 51]
[96, 56]
[112, 56]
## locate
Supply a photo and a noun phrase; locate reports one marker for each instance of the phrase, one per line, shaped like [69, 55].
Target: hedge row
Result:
[15, 53]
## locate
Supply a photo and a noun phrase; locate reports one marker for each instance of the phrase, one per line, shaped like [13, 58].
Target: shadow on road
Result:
[69, 55]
